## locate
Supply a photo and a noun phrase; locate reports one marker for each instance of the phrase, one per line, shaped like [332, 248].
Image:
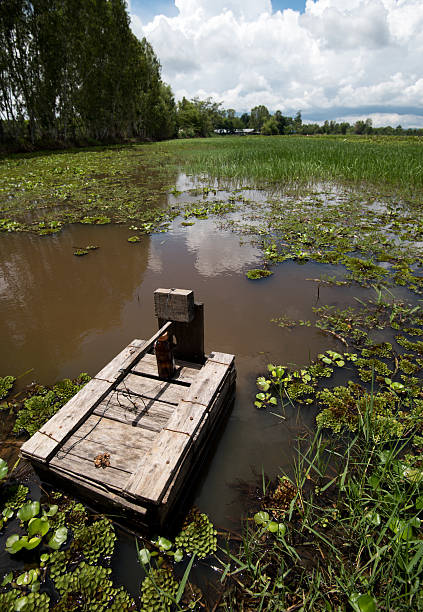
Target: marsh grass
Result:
[352, 536]
[393, 163]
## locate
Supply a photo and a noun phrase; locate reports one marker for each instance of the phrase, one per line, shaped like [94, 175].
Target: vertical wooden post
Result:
[177, 305]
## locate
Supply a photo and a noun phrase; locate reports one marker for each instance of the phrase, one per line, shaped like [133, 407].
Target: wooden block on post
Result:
[189, 337]
[174, 305]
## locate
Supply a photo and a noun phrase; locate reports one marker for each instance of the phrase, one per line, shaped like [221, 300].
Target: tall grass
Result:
[352, 538]
[393, 163]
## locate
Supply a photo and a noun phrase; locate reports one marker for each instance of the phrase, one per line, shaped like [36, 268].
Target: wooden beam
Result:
[152, 477]
[174, 304]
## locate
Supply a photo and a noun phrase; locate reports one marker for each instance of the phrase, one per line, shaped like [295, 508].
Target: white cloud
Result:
[336, 54]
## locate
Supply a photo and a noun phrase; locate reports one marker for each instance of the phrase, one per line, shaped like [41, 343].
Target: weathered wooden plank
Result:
[184, 370]
[186, 418]
[225, 358]
[106, 431]
[151, 477]
[46, 440]
[209, 378]
[174, 304]
[122, 457]
[198, 448]
[138, 412]
[74, 465]
[149, 388]
[97, 492]
[142, 484]
[112, 370]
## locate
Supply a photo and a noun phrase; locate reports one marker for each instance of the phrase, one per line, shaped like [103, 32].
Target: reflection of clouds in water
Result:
[155, 260]
[218, 252]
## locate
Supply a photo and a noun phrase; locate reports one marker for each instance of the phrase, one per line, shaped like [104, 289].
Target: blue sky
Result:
[147, 9]
[340, 60]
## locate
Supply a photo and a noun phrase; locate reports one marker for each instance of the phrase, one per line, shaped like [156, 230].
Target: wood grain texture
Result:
[138, 412]
[149, 388]
[174, 304]
[111, 477]
[116, 434]
[167, 459]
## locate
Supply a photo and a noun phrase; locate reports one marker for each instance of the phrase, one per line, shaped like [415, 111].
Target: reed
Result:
[393, 163]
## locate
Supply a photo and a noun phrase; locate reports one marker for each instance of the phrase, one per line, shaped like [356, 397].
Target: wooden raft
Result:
[154, 430]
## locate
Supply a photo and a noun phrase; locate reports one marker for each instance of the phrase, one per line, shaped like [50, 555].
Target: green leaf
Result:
[7, 579]
[281, 530]
[13, 544]
[164, 544]
[38, 526]
[363, 603]
[52, 511]
[27, 577]
[3, 469]
[261, 518]
[419, 502]
[21, 604]
[262, 383]
[28, 511]
[144, 556]
[7, 513]
[57, 538]
[179, 555]
[31, 543]
[272, 526]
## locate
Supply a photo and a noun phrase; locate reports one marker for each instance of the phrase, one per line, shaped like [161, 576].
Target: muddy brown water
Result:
[61, 315]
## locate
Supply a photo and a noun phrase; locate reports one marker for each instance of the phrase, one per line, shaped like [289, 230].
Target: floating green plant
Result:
[41, 406]
[98, 220]
[158, 590]
[80, 252]
[257, 273]
[6, 384]
[134, 239]
[198, 537]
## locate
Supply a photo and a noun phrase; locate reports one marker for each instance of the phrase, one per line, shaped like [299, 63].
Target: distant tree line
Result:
[203, 117]
[72, 70]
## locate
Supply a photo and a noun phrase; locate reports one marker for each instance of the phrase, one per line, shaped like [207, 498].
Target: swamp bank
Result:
[307, 253]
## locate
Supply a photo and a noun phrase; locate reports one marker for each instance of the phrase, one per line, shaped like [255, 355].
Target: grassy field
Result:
[387, 162]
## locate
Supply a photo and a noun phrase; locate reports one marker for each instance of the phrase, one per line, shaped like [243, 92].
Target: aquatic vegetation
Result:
[32, 602]
[90, 587]
[158, 590]
[6, 383]
[99, 220]
[37, 528]
[134, 239]
[343, 511]
[256, 273]
[41, 406]
[198, 537]
[3, 469]
[85, 250]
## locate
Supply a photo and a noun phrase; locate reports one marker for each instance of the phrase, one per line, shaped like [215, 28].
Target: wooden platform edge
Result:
[152, 477]
[45, 442]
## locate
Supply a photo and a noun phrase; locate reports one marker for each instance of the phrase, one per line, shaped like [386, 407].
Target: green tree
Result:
[259, 114]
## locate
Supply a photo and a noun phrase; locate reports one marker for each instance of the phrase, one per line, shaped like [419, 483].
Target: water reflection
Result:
[58, 311]
[61, 314]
